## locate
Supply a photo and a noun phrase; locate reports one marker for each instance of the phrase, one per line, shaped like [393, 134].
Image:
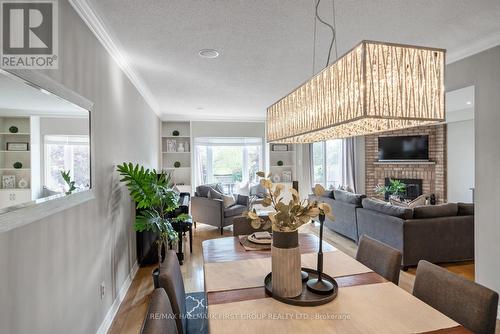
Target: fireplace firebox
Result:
[413, 188]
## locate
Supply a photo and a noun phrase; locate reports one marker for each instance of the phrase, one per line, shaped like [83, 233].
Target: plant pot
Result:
[156, 280]
[286, 270]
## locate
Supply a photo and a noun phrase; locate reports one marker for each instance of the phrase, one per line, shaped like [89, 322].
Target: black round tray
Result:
[306, 298]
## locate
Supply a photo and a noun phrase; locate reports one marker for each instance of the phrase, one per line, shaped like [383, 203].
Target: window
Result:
[66, 153]
[327, 163]
[227, 160]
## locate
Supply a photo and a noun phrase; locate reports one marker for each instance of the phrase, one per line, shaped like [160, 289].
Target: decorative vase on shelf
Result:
[180, 147]
[23, 184]
[286, 269]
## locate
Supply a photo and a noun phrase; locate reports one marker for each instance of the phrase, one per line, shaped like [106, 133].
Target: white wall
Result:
[228, 129]
[52, 269]
[460, 169]
[483, 71]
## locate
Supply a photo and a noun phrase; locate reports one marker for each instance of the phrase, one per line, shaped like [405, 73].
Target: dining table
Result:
[365, 302]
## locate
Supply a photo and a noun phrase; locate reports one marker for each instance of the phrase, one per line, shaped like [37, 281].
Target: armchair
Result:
[211, 211]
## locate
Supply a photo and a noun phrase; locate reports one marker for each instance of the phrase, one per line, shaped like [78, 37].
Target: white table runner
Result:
[221, 276]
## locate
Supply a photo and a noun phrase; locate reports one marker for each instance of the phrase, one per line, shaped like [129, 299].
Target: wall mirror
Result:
[42, 137]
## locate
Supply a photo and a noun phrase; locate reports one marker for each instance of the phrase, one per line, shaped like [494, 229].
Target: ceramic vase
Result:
[286, 269]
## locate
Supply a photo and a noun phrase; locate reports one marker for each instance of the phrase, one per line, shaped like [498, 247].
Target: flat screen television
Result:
[403, 148]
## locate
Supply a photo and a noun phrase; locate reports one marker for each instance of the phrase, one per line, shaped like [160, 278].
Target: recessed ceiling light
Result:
[199, 108]
[469, 102]
[209, 53]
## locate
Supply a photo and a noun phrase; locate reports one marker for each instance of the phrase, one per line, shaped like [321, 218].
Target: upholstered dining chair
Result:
[381, 258]
[468, 303]
[189, 309]
[160, 317]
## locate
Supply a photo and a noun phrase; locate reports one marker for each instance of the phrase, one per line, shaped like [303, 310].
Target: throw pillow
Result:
[242, 188]
[419, 201]
[397, 202]
[214, 194]
[227, 200]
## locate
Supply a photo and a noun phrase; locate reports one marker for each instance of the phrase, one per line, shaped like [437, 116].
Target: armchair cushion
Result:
[242, 199]
[234, 210]
[466, 209]
[436, 211]
[203, 190]
[388, 209]
[348, 197]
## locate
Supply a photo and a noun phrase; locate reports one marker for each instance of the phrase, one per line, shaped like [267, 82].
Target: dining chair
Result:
[159, 318]
[468, 303]
[190, 309]
[381, 258]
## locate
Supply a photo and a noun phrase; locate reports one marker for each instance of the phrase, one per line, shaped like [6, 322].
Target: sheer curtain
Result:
[349, 162]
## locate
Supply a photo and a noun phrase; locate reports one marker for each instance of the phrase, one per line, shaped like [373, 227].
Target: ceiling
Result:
[266, 46]
[19, 98]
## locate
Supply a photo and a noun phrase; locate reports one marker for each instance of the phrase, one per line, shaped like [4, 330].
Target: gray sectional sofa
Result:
[344, 205]
[436, 233]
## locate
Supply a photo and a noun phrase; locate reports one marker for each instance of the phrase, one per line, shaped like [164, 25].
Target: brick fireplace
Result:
[432, 174]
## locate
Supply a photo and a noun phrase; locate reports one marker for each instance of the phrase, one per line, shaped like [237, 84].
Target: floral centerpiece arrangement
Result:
[285, 220]
[287, 217]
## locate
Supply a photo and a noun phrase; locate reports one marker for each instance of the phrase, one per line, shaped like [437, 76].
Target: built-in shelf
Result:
[15, 134]
[181, 168]
[15, 169]
[11, 189]
[11, 151]
[283, 166]
[404, 162]
[177, 152]
[185, 137]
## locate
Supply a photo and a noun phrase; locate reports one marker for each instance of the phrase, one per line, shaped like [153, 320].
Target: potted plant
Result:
[285, 222]
[67, 178]
[157, 202]
[395, 189]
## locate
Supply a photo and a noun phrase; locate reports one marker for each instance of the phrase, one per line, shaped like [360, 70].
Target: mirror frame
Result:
[35, 210]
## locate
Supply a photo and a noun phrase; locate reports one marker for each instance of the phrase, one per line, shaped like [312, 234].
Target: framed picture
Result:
[17, 147]
[8, 181]
[286, 176]
[171, 145]
[279, 147]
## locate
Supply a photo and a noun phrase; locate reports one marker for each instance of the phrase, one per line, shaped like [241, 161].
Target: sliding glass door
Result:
[227, 160]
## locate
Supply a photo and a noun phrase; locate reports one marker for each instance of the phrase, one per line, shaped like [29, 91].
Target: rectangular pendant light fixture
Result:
[375, 87]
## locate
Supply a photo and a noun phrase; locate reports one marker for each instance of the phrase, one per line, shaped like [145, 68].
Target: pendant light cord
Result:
[332, 28]
[314, 48]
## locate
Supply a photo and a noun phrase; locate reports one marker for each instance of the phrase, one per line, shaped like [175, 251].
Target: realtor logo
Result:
[29, 34]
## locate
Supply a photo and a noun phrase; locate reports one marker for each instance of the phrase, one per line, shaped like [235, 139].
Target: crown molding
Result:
[470, 49]
[96, 25]
[167, 117]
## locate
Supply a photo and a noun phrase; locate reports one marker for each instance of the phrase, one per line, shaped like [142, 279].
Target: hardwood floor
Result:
[133, 308]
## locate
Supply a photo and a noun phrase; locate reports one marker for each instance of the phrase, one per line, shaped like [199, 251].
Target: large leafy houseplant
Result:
[153, 195]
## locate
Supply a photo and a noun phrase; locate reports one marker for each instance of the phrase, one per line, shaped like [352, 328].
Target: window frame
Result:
[325, 164]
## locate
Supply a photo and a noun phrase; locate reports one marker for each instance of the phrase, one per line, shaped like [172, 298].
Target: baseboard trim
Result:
[110, 316]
